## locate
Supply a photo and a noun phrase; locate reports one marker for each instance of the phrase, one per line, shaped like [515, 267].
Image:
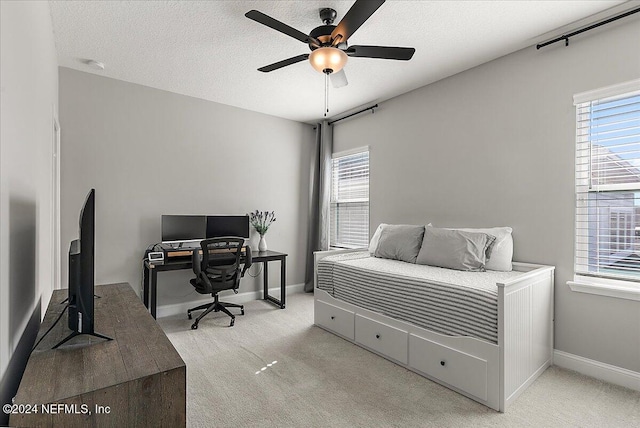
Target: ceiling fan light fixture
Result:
[328, 59]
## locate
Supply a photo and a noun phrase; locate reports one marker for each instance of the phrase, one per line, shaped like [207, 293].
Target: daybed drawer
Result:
[334, 318]
[383, 338]
[456, 368]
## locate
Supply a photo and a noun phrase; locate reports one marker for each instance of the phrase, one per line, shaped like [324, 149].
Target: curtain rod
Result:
[353, 114]
[565, 37]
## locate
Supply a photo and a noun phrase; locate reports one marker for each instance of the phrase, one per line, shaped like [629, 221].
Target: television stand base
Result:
[75, 333]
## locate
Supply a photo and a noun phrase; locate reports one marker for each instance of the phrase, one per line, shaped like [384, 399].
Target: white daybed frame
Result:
[494, 375]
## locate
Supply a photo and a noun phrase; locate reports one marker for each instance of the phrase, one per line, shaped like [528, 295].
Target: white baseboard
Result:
[598, 370]
[247, 296]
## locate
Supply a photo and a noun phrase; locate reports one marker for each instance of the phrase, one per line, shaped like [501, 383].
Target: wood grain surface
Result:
[138, 375]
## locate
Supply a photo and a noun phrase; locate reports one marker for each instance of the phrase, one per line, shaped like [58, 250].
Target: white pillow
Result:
[502, 251]
[373, 245]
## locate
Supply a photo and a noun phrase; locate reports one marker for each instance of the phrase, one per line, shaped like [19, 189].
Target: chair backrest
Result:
[219, 265]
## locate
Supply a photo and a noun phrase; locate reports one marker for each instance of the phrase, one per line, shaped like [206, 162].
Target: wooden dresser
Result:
[136, 379]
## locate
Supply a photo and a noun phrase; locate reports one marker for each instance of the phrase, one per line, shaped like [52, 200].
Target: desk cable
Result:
[152, 247]
[257, 273]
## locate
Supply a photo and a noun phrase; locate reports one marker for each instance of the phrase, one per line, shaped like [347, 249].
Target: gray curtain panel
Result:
[324, 198]
[319, 197]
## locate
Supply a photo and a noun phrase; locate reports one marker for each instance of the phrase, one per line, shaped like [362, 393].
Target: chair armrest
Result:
[247, 260]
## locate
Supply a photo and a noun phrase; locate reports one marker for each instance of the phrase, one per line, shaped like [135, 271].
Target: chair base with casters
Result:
[215, 306]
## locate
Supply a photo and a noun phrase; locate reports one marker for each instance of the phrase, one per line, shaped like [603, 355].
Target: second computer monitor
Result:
[227, 225]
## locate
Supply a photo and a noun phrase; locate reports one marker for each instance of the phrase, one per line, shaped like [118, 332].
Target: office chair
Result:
[219, 268]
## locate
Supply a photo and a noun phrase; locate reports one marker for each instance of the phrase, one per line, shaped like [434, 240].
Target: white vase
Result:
[262, 246]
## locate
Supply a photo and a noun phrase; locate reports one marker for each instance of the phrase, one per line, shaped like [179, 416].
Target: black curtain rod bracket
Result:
[353, 114]
[565, 37]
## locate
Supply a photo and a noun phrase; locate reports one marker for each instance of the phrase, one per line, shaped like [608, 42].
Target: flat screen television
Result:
[82, 275]
[227, 225]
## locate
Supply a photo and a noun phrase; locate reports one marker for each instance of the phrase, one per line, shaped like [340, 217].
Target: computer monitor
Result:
[227, 225]
[183, 227]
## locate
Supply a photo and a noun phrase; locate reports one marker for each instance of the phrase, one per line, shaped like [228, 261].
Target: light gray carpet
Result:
[320, 380]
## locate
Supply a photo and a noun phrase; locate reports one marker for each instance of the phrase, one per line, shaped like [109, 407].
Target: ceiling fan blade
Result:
[357, 15]
[338, 79]
[280, 26]
[283, 63]
[384, 52]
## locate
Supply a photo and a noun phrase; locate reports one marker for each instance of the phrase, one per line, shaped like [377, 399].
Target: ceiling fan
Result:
[328, 42]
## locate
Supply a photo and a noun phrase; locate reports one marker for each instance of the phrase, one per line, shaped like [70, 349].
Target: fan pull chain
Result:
[326, 94]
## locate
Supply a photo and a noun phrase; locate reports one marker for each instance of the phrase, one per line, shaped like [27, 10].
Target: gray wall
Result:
[494, 146]
[29, 98]
[149, 152]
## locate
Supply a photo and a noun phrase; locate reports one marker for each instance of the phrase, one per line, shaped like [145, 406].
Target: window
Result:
[349, 215]
[608, 183]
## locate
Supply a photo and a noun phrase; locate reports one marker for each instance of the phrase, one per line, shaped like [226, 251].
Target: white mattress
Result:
[442, 300]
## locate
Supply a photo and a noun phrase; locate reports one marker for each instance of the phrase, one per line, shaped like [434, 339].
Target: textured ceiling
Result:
[210, 50]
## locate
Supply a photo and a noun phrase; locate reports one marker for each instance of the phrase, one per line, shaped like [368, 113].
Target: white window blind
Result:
[349, 215]
[608, 187]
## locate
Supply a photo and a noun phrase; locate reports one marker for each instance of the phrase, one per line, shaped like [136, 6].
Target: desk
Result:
[151, 269]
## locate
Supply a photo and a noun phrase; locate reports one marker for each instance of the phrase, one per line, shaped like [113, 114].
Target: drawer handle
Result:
[442, 363]
[332, 317]
[377, 336]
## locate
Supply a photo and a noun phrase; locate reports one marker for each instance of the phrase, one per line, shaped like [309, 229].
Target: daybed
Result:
[487, 335]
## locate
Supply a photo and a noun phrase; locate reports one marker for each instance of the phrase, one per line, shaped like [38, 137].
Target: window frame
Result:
[339, 155]
[610, 285]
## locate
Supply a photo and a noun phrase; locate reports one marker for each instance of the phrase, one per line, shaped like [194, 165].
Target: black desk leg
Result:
[154, 292]
[265, 280]
[145, 282]
[283, 281]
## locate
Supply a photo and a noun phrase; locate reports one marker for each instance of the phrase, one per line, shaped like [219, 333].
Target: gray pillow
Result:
[502, 247]
[455, 249]
[400, 242]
